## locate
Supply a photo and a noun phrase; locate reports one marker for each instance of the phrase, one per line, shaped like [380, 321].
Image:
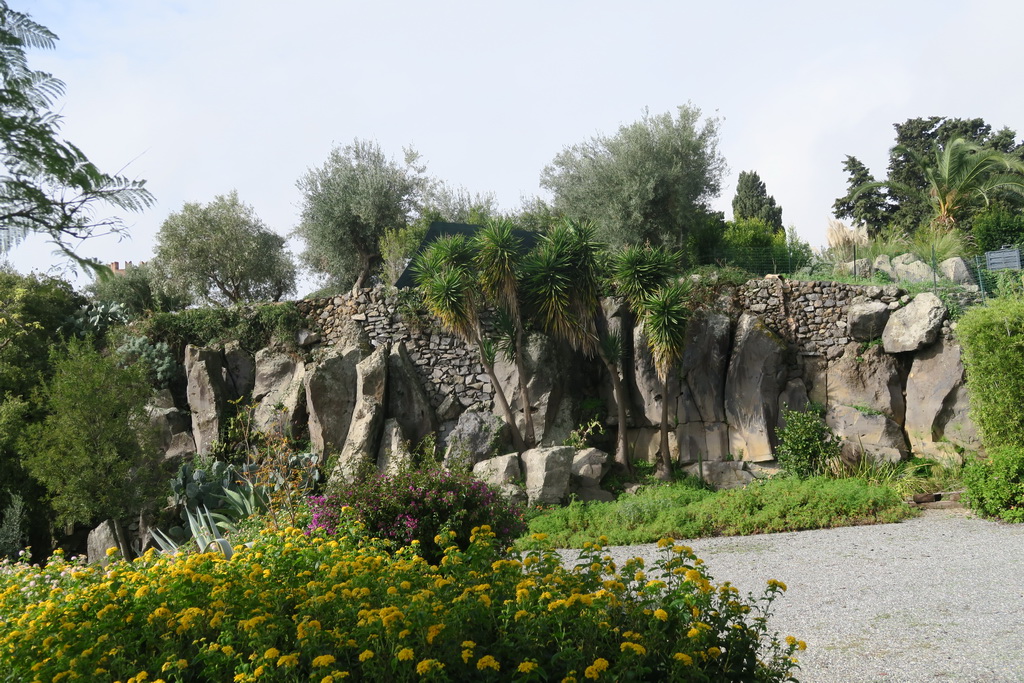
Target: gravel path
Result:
[936, 598]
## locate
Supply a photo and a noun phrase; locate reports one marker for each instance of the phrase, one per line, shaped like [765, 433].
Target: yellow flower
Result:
[272, 653]
[433, 632]
[365, 655]
[405, 654]
[323, 660]
[684, 659]
[468, 644]
[288, 660]
[527, 667]
[595, 669]
[772, 583]
[714, 652]
[636, 648]
[111, 552]
[661, 614]
[466, 656]
[428, 665]
[488, 662]
[539, 537]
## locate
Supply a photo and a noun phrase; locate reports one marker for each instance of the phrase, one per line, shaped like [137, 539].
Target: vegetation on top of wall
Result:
[254, 326]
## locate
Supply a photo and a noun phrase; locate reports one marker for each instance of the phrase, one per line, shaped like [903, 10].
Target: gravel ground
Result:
[936, 598]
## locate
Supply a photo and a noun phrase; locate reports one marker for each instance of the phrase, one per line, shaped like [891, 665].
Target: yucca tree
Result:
[446, 274]
[562, 279]
[960, 175]
[498, 258]
[642, 274]
[664, 315]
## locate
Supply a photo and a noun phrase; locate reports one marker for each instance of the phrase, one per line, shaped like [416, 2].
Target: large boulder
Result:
[914, 326]
[793, 397]
[547, 472]
[704, 362]
[477, 436]
[956, 270]
[504, 473]
[588, 468]
[722, 475]
[278, 392]
[207, 397]
[753, 383]
[866, 434]
[868, 379]
[109, 534]
[866, 320]
[172, 426]
[883, 263]
[393, 453]
[364, 432]
[544, 368]
[910, 268]
[330, 383]
[935, 397]
[408, 402]
[239, 372]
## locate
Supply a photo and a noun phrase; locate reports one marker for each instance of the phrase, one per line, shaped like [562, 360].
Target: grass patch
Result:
[686, 510]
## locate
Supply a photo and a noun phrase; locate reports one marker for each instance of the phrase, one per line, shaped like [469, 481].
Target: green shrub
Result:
[806, 443]
[296, 608]
[157, 358]
[996, 227]
[12, 528]
[418, 505]
[995, 487]
[254, 326]
[992, 339]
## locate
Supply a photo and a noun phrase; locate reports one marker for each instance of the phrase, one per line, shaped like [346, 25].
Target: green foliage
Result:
[138, 291]
[754, 246]
[222, 253]
[397, 248]
[752, 202]
[995, 486]
[47, 185]
[157, 358]
[688, 510]
[95, 451]
[348, 203]
[992, 340]
[418, 505]
[869, 208]
[996, 227]
[650, 182]
[254, 327]
[806, 444]
[93, 320]
[12, 528]
[905, 478]
[379, 615]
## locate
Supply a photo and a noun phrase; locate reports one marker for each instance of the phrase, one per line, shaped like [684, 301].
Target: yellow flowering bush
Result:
[298, 607]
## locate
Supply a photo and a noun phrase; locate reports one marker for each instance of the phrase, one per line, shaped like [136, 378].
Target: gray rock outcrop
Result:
[914, 326]
[278, 392]
[330, 384]
[935, 400]
[109, 534]
[547, 472]
[868, 379]
[752, 387]
[704, 362]
[363, 439]
[866, 320]
[543, 369]
[910, 268]
[407, 400]
[956, 270]
[393, 453]
[476, 436]
[505, 474]
[239, 372]
[867, 435]
[207, 398]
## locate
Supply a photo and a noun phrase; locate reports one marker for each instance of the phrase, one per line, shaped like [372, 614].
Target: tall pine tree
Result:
[753, 201]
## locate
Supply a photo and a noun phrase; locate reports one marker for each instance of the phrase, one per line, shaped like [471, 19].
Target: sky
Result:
[201, 97]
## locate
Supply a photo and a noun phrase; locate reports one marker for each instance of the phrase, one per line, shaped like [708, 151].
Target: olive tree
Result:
[222, 253]
[650, 182]
[348, 203]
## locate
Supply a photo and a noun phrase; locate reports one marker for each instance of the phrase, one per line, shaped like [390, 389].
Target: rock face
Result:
[360, 446]
[866, 320]
[723, 475]
[542, 365]
[956, 270]
[407, 401]
[752, 386]
[504, 473]
[109, 534]
[547, 472]
[910, 268]
[239, 372]
[393, 453]
[206, 394]
[914, 326]
[936, 401]
[278, 392]
[586, 471]
[476, 437]
[869, 379]
[330, 384]
[867, 435]
[704, 362]
[173, 427]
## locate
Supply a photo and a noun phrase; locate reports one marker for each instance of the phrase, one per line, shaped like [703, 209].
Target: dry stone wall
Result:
[450, 371]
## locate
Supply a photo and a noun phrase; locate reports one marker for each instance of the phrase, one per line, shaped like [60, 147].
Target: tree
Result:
[753, 201]
[348, 203]
[223, 253]
[47, 185]
[650, 182]
[960, 178]
[95, 451]
[139, 290]
[870, 208]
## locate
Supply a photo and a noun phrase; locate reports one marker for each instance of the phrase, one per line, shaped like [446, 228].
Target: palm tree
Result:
[960, 175]
[561, 276]
[498, 256]
[665, 313]
[446, 275]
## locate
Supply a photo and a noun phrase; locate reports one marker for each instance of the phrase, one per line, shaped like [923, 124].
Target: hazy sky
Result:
[200, 97]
